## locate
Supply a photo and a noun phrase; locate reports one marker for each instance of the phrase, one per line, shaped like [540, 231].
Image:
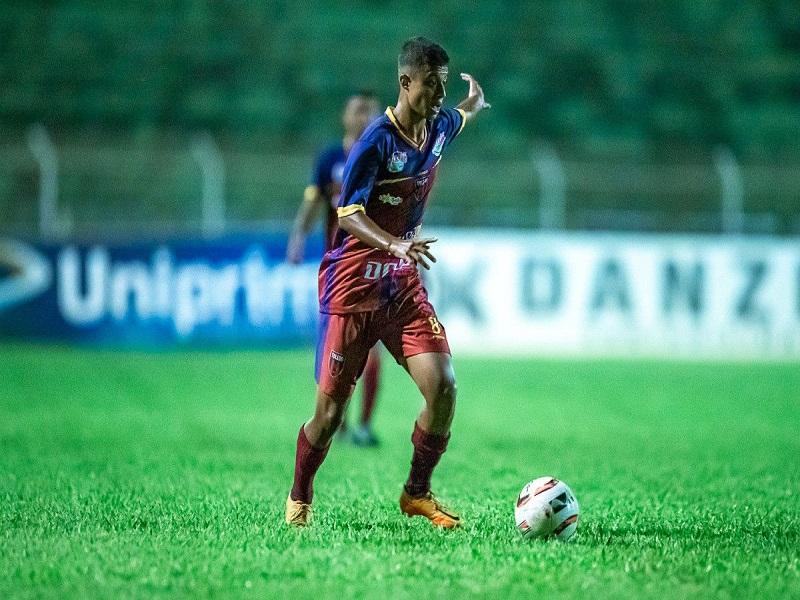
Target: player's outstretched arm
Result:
[475, 101]
[366, 230]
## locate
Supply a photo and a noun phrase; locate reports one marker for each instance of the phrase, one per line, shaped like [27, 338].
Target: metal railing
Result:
[198, 186]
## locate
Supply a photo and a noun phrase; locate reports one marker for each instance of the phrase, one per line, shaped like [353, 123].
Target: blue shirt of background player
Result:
[327, 177]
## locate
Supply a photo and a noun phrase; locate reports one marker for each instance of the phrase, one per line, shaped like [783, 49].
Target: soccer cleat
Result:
[297, 513]
[364, 437]
[429, 507]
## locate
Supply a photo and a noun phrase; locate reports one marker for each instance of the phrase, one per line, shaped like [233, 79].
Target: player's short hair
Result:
[419, 52]
[366, 94]
[362, 95]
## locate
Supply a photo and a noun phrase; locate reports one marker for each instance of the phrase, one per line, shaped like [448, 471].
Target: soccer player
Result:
[323, 192]
[369, 284]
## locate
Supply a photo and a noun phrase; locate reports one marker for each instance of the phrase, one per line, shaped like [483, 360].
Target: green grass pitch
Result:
[161, 475]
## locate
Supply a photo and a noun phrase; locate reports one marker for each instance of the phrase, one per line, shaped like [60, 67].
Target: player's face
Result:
[359, 113]
[426, 91]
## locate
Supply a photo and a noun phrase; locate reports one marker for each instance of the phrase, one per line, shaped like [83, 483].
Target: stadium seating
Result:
[122, 87]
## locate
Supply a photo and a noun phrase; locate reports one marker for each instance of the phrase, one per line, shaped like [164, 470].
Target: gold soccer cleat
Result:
[297, 513]
[429, 507]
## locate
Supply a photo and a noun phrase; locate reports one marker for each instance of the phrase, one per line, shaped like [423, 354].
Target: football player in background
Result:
[322, 194]
[370, 288]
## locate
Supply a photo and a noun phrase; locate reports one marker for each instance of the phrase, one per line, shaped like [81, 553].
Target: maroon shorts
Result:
[406, 326]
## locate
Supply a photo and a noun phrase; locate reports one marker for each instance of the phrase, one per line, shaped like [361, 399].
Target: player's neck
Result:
[348, 141]
[413, 125]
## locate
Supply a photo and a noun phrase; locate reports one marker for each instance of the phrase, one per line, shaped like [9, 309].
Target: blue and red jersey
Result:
[389, 177]
[327, 180]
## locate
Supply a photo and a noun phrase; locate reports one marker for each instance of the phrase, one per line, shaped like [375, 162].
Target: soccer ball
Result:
[546, 507]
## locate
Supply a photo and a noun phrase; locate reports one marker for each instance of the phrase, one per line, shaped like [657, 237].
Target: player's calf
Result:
[313, 443]
[434, 376]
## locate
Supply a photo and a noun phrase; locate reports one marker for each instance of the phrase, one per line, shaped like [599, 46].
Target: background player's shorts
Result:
[407, 326]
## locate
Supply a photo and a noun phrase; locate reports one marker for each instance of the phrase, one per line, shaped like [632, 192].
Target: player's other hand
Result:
[295, 250]
[416, 251]
[475, 95]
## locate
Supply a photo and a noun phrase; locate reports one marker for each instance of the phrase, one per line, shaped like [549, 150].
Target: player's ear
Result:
[405, 81]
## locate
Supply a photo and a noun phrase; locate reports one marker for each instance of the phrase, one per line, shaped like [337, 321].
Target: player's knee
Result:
[333, 419]
[334, 412]
[330, 410]
[448, 388]
[443, 392]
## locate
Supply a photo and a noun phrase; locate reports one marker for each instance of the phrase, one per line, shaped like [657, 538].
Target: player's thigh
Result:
[413, 330]
[418, 327]
[342, 348]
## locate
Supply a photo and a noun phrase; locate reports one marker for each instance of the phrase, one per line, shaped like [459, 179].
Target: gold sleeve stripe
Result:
[346, 211]
[463, 120]
[382, 181]
[311, 193]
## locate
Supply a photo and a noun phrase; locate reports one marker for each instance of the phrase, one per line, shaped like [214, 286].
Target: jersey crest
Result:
[397, 161]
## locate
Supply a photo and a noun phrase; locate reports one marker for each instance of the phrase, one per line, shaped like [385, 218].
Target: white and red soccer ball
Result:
[547, 507]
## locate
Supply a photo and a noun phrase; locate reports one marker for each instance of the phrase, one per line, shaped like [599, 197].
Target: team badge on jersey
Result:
[397, 161]
[389, 199]
[437, 147]
[335, 363]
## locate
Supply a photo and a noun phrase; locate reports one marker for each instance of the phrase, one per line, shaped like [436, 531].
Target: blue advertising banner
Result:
[234, 290]
[497, 292]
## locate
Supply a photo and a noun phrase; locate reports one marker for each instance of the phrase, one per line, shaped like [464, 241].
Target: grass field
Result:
[155, 475]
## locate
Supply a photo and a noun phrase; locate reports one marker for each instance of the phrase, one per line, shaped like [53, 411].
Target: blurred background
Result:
[196, 119]
[643, 106]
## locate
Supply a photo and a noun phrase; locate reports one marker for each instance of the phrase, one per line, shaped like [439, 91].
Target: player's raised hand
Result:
[416, 251]
[475, 96]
